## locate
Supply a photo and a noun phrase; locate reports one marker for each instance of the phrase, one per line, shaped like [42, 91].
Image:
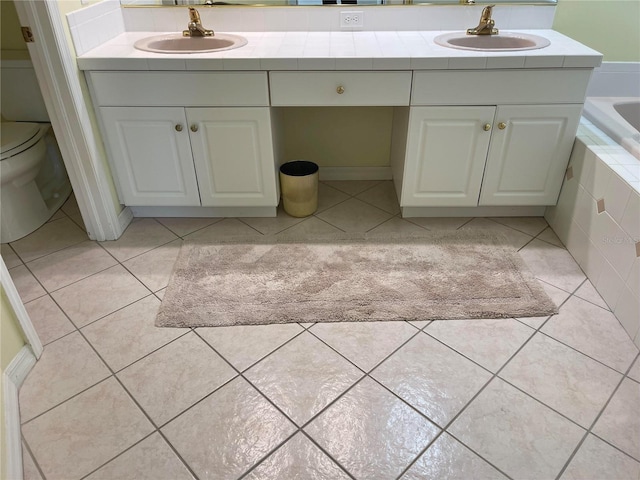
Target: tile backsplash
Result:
[327, 18]
[95, 24]
[99, 22]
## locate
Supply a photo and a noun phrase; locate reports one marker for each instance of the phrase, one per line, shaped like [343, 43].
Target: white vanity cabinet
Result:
[446, 153]
[511, 155]
[233, 156]
[151, 155]
[477, 140]
[529, 152]
[468, 133]
[504, 140]
[189, 139]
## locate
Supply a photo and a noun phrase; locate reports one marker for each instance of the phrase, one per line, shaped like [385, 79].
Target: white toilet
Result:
[33, 181]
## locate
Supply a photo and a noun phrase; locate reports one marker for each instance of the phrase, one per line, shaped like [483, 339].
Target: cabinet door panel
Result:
[527, 159]
[152, 160]
[446, 153]
[233, 155]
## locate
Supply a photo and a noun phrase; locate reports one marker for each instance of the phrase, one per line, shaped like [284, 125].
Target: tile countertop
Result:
[359, 50]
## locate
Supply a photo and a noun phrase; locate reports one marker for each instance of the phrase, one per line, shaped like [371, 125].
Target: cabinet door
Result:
[446, 153]
[529, 155]
[233, 155]
[151, 158]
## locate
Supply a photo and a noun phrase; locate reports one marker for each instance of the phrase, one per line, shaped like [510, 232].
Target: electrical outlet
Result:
[351, 19]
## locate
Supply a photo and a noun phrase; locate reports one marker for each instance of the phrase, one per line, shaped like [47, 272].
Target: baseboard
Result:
[355, 173]
[214, 212]
[12, 378]
[408, 212]
[21, 365]
[124, 219]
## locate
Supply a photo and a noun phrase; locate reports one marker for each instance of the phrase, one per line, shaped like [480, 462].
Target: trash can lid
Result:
[299, 168]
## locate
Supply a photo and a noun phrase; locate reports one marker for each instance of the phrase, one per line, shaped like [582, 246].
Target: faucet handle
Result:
[486, 13]
[194, 16]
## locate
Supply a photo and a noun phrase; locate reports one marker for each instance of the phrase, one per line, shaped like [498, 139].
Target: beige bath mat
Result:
[444, 275]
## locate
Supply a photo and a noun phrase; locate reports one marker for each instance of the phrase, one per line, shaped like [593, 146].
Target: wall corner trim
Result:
[12, 378]
[58, 77]
[28, 330]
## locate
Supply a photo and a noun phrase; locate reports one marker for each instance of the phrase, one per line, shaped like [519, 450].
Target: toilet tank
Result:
[20, 97]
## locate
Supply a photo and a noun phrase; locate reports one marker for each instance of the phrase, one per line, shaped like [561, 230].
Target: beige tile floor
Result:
[113, 397]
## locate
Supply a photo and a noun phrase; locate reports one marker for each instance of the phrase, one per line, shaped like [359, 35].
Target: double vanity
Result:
[480, 131]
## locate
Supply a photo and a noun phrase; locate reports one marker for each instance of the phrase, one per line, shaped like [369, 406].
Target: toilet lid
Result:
[15, 134]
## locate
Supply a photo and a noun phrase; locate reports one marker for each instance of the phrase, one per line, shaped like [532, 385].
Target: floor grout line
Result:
[144, 412]
[309, 329]
[30, 453]
[48, 253]
[595, 421]
[240, 374]
[442, 429]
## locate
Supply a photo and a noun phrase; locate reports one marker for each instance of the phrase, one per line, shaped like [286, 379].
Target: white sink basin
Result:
[503, 42]
[176, 43]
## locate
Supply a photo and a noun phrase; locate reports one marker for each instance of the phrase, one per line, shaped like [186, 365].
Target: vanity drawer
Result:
[473, 87]
[184, 89]
[340, 88]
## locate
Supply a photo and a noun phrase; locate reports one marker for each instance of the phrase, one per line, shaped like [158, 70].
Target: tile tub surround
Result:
[512, 398]
[598, 219]
[615, 79]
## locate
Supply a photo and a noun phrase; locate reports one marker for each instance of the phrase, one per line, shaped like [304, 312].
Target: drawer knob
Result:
[178, 128]
[487, 127]
[502, 125]
[194, 128]
[340, 90]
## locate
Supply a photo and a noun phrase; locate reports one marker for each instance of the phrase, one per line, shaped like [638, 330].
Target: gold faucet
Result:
[486, 25]
[195, 28]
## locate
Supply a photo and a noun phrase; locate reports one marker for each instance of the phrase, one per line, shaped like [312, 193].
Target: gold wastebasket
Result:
[299, 187]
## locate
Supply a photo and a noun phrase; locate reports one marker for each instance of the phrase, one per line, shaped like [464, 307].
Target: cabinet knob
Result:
[502, 125]
[340, 90]
[194, 128]
[487, 127]
[178, 128]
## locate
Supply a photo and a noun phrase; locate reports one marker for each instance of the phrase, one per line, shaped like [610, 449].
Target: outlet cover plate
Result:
[351, 19]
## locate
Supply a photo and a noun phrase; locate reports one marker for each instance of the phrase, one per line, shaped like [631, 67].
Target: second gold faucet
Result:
[195, 28]
[486, 25]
